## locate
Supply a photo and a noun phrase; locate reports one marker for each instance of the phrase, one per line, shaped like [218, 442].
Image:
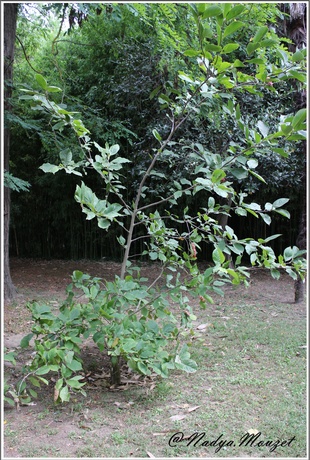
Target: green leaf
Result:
[241, 211]
[35, 382]
[237, 248]
[253, 206]
[183, 77]
[221, 190]
[258, 61]
[233, 27]
[283, 213]
[212, 11]
[65, 156]
[234, 12]
[272, 237]
[297, 75]
[114, 149]
[156, 135]
[59, 384]
[41, 81]
[32, 393]
[74, 383]
[298, 56]
[275, 273]
[64, 394]
[24, 343]
[257, 176]
[226, 8]
[152, 326]
[10, 357]
[212, 47]
[143, 368]
[230, 47]
[43, 370]
[103, 223]
[191, 53]
[49, 168]
[183, 361]
[266, 218]
[300, 117]
[280, 202]
[286, 129]
[292, 274]
[260, 34]
[288, 254]
[251, 47]
[53, 89]
[155, 92]
[218, 256]
[42, 379]
[112, 211]
[74, 365]
[217, 175]
[268, 43]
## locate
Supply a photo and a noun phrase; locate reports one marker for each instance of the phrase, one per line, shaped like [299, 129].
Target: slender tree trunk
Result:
[10, 18]
[222, 220]
[296, 28]
[115, 370]
[301, 242]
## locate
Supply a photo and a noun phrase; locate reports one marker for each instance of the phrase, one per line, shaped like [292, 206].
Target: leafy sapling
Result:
[132, 317]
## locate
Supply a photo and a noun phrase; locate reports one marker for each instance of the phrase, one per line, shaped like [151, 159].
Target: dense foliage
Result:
[112, 70]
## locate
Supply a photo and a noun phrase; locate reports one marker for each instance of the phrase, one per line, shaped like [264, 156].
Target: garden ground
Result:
[251, 350]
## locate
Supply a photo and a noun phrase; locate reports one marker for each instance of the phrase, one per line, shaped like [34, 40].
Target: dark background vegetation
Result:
[108, 69]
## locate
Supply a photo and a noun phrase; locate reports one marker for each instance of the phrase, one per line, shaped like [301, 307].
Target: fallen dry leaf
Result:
[191, 409]
[201, 327]
[85, 427]
[177, 417]
[56, 394]
[253, 431]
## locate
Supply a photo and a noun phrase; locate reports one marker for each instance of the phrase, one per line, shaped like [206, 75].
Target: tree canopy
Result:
[120, 66]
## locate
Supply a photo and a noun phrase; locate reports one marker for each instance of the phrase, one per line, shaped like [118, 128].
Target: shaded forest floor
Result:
[252, 376]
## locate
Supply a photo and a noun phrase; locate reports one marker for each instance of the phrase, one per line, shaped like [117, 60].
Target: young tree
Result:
[131, 317]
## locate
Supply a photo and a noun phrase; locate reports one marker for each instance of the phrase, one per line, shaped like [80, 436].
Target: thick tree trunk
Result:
[10, 17]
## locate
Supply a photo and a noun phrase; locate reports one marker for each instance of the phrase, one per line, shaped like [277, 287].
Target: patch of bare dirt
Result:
[47, 279]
